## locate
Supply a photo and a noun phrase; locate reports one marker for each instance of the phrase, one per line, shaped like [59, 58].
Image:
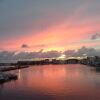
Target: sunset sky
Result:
[33, 25]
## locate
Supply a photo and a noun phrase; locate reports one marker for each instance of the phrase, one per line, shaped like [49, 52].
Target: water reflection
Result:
[19, 73]
[97, 69]
[1, 88]
[54, 82]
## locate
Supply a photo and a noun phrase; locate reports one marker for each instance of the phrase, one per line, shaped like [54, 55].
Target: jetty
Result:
[5, 77]
[9, 68]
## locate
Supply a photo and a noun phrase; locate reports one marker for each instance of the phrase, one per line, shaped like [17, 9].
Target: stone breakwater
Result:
[8, 68]
[5, 77]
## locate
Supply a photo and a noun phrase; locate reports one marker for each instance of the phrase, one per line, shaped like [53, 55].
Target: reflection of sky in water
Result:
[59, 81]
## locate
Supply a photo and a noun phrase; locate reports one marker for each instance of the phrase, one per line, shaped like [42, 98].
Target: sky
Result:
[35, 25]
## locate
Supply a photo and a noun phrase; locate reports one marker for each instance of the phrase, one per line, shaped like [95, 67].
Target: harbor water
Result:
[53, 82]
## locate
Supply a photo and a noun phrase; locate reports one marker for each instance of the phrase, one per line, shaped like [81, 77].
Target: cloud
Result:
[24, 46]
[83, 51]
[6, 55]
[50, 54]
[69, 53]
[95, 36]
[87, 51]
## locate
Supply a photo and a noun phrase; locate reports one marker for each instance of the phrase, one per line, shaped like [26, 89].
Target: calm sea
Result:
[53, 82]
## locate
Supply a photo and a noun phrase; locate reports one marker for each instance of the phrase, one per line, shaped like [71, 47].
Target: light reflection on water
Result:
[53, 82]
